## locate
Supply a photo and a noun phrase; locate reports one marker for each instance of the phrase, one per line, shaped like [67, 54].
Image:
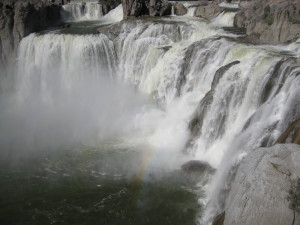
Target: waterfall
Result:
[216, 98]
[83, 11]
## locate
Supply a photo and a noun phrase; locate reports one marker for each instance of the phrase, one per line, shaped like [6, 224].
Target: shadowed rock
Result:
[291, 134]
[20, 18]
[138, 8]
[196, 166]
[219, 220]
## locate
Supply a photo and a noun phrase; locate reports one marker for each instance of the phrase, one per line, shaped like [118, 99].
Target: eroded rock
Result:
[260, 190]
[208, 11]
[270, 21]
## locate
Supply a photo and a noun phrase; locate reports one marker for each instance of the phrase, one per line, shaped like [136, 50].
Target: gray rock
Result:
[179, 9]
[19, 18]
[197, 166]
[159, 7]
[138, 8]
[271, 21]
[134, 8]
[209, 11]
[260, 191]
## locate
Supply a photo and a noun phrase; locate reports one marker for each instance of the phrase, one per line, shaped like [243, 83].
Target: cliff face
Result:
[270, 21]
[266, 188]
[20, 18]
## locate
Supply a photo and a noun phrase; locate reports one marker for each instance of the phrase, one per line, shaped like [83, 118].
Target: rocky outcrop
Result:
[20, 18]
[208, 11]
[179, 9]
[270, 21]
[265, 188]
[159, 7]
[138, 8]
[108, 5]
[291, 134]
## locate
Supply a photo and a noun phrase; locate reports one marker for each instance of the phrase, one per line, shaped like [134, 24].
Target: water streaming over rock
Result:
[83, 11]
[217, 98]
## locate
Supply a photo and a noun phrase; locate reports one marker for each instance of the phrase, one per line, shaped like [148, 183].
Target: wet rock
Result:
[261, 188]
[291, 134]
[108, 5]
[270, 21]
[138, 8]
[159, 7]
[219, 220]
[20, 18]
[134, 8]
[197, 166]
[209, 11]
[179, 9]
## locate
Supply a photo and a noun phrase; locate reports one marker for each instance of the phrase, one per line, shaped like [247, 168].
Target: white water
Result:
[80, 11]
[174, 63]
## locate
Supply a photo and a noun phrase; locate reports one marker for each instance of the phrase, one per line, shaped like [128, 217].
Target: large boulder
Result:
[179, 9]
[134, 8]
[159, 7]
[266, 188]
[208, 11]
[138, 8]
[270, 21]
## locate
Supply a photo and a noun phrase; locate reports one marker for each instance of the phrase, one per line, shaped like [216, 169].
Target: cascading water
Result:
[83, 11]
[216, 99]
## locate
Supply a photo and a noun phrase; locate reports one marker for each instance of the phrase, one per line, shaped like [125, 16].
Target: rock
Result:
[291, 134]
[209, 11]
[134, 8]
[138, 8]
[108, 5]
[197, 166]
[159, 8]
[179, 9]
[219, 220]
[271, 21]
[19, 18]
[260, 192]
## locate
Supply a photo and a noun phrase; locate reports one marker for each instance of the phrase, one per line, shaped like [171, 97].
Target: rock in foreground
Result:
[261, 190]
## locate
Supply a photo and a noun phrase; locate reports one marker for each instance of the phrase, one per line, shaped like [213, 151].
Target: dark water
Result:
[93, 186]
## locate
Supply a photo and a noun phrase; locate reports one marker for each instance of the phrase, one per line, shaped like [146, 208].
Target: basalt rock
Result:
[179, 9]
[159, 7]
[197, 166]
[291, 134]
[265, 188]
[134, 8]
[108, 5]
[208, 11]
[20, 18]
[138, 8]
[270, 21]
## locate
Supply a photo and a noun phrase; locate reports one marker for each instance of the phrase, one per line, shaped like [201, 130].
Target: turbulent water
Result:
[161, 92]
